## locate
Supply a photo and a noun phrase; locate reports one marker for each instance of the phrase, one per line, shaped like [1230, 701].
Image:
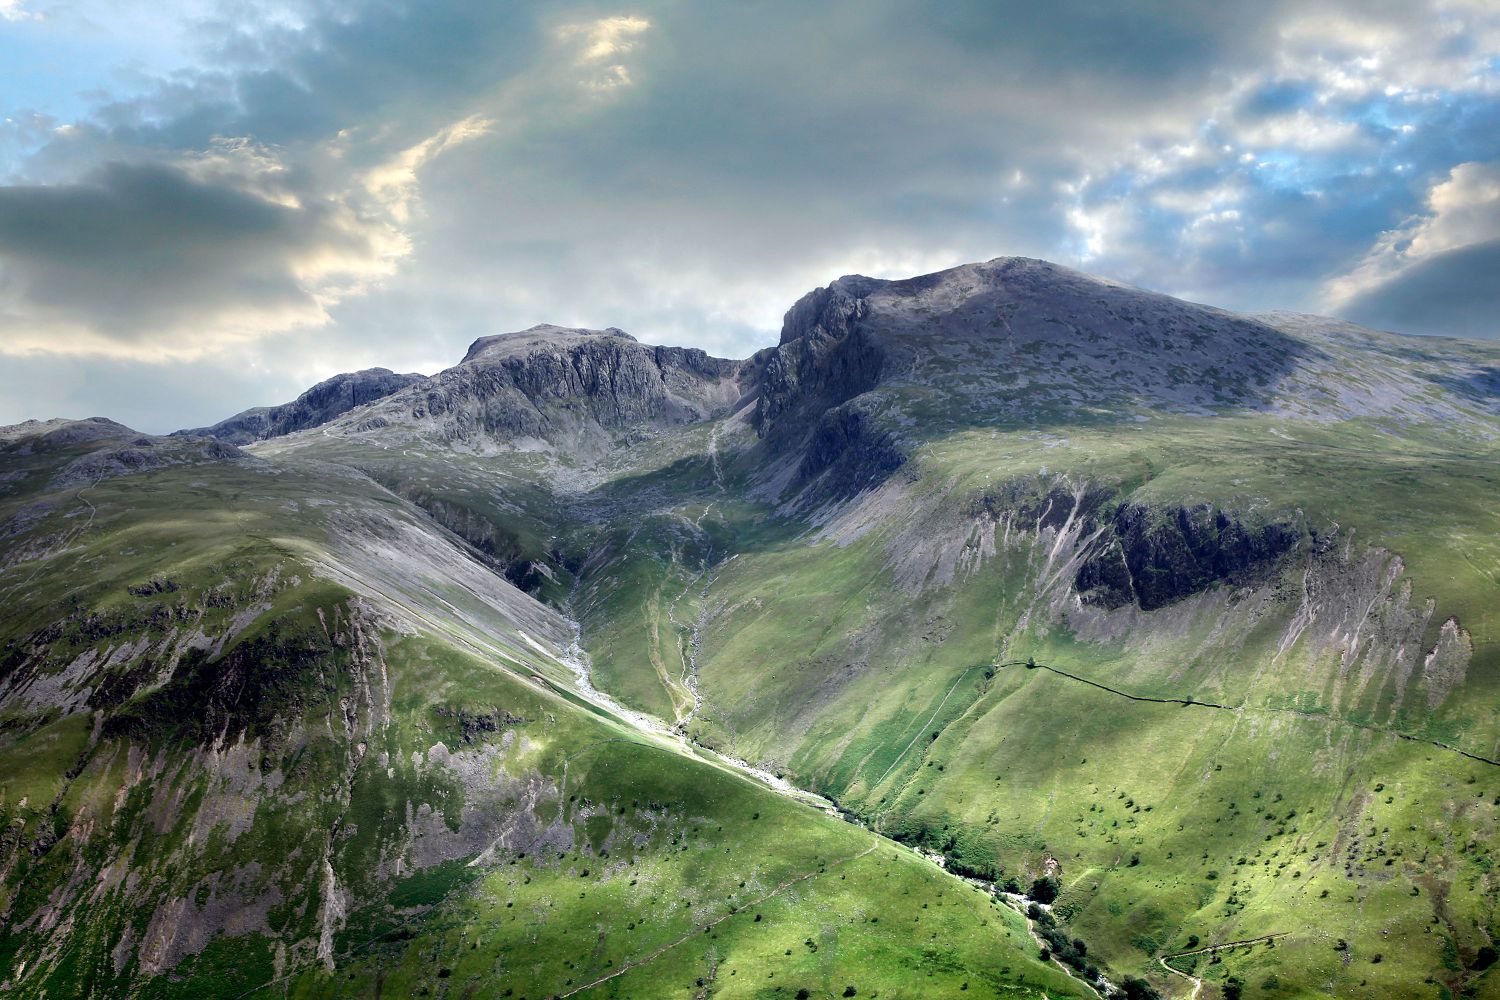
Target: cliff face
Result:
[808, 388]
[867, 367]
[557, 387]
[1155, 557]
[315, 407]
[824, 359]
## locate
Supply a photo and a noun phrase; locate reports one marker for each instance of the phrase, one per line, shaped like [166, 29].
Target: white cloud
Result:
[606, 37]
[394, 183]
[258, 250]
[600, 45]
[1463, 210]
[14, 10]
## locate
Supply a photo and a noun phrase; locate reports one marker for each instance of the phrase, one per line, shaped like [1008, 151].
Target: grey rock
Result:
[323, 402]
[548, 386]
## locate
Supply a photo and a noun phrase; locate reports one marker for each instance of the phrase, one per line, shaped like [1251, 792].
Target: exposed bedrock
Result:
[824, 359]
[1155, 556]
[1150, 555]
[578, 389]
[323, 402]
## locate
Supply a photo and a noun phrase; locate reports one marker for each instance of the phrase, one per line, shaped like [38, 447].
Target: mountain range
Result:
[999, 632]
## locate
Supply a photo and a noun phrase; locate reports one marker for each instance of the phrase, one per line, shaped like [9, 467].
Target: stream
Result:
[576, 659]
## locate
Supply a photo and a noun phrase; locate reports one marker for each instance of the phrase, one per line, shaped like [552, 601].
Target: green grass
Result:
[299, 736]
[853, 661]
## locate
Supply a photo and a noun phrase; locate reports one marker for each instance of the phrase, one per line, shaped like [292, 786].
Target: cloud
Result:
[423, 173]
[1282, 172]
[15, 10]
[171, 241]
[606, 37]
[174, 259]
[393, 184]
[1437, 273]
[601, 45]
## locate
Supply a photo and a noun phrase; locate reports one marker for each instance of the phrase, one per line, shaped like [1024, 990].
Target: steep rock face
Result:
[323, 402]
[824, 358]
[1155, 557]
[848, 444]
[551, 386]
[1128, 552]
[495, 539]
[1011, 340]
[807, 389]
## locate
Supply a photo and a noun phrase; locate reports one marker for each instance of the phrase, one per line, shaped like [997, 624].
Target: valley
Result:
[588, 667]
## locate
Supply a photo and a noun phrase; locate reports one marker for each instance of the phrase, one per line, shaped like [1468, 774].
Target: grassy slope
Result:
[1029, 765]
[314, 734]
[827, 662]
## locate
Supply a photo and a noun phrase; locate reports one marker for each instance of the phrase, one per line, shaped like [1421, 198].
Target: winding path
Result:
[1198, 983]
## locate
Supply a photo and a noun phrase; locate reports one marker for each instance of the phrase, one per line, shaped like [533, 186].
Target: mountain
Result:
[315, 407]
[591, 667]
[555, 389]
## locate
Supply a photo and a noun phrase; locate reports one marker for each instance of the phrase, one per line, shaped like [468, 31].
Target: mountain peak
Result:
[520, 342]
[330, 398]
[60, 431]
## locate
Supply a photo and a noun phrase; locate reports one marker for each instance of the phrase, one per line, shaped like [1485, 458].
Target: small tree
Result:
[1044, 890]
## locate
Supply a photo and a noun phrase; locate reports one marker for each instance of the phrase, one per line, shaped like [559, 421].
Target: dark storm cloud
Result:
[136, 248]
[1453, 293]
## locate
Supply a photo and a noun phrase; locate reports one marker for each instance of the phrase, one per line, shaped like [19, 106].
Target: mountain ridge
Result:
[427, 695]
[313, 408]
[1192, 357]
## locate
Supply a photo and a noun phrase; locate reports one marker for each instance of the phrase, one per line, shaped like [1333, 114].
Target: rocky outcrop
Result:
[31, 437]
[810, 393]
[581, 390]
[143, 454]
[824, 359]
[497, 540]
[323, 402]
[1155, 557]
[849, 445]
[1010, 340]
[1118, 550]
[103, 449]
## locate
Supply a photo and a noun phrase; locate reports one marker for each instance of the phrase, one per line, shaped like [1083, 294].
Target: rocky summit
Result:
[315, 407]
[1000, 632]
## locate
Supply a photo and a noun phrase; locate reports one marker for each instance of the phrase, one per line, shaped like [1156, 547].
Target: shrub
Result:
[1044, 890]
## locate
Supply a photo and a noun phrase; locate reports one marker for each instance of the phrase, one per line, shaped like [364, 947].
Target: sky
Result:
[212, 204]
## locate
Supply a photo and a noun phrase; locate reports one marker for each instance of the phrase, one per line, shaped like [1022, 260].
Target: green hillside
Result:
[222, 773]
[466, 691]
